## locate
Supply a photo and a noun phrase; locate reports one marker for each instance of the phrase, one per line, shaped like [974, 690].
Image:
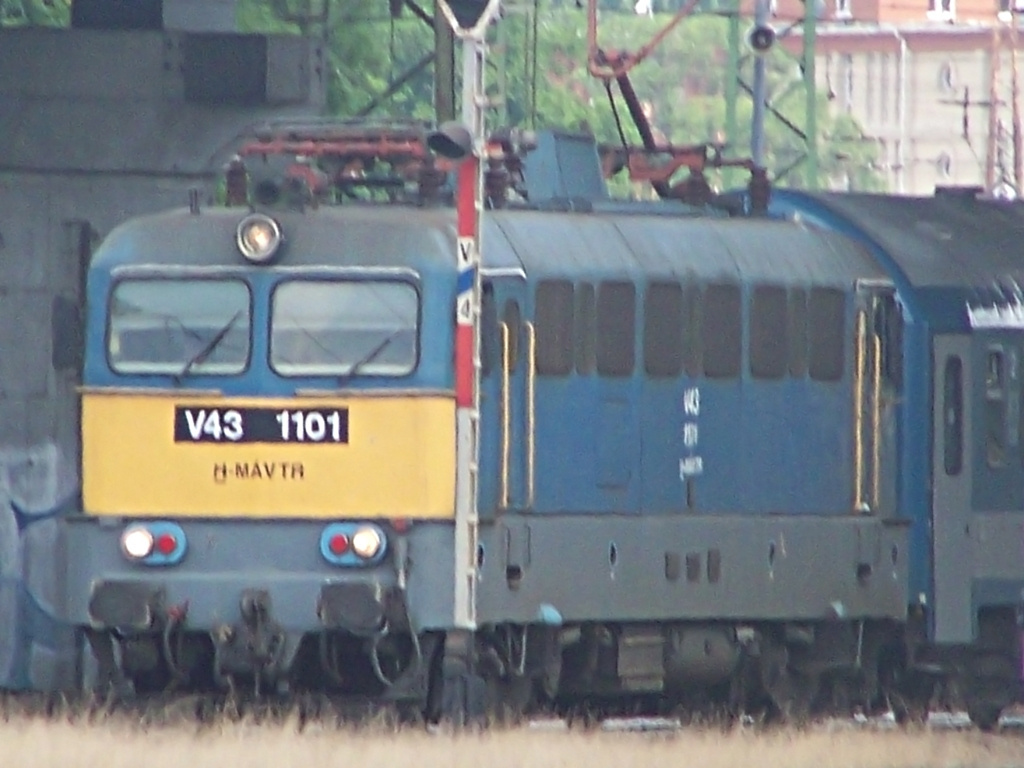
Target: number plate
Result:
[196, 424]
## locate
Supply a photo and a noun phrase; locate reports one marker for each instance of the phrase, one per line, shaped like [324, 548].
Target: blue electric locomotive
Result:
[692, 461]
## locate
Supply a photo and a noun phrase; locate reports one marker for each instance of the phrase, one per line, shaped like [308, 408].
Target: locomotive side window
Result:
[616, 328]
[768, 332]
[797, 333]
[692, 322]
[995, 408]
[585, 346]
[343, 327]
[953, 416]
[553, 314]
[826, 310]
[180, 326]
[513, 319]
[888, 322]
[722, 334]
[663, 329]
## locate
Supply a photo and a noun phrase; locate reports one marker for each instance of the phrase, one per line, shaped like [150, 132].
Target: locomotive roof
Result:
[541, 243]
[713, 248]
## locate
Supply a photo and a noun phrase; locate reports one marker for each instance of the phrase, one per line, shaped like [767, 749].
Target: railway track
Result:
[200, 710]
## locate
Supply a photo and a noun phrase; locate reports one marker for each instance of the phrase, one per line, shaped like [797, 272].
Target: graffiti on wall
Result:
[36, 649]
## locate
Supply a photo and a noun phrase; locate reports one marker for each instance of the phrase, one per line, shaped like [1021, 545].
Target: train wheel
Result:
[984, 716]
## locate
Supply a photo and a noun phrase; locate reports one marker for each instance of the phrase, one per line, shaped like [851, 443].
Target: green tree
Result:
[36, 13]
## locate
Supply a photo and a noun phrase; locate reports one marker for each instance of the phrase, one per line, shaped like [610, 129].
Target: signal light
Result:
[338, 544]
[761, 39]
[136, 542]
[258, 237]
[158, 543]
[366, 542]
[166, 543]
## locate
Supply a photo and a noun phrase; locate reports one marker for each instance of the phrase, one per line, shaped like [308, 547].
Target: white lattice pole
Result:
[469, 208]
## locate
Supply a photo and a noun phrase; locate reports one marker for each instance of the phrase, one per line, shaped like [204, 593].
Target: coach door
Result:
[951, 488]
[877, 382]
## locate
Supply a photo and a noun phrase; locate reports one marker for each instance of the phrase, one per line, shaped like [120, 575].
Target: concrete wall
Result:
[95, 126]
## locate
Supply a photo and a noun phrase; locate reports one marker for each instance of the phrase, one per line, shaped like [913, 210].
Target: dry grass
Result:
[116, 742]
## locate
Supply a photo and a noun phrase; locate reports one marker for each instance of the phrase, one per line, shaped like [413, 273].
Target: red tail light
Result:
[338, 544]
[166, 543]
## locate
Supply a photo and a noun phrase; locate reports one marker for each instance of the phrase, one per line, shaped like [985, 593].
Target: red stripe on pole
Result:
[463, 366]
[465, 211]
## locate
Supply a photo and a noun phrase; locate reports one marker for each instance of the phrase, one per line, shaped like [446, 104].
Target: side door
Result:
[951, 488]
[508, 343]
[877, 386]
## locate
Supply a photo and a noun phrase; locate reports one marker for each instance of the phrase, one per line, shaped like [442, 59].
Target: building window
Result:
[944, 10]
[843, 9]
[554, 315]
[869, 86]
[947, 78]
[884, 66]
[848, 82]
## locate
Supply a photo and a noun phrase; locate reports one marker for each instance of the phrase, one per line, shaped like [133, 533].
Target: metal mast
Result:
[469, 210]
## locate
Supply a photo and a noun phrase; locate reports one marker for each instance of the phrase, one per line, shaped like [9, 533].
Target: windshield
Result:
[344, 328]
[160, 326]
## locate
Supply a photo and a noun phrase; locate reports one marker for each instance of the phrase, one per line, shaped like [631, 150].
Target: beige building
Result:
[931, 81]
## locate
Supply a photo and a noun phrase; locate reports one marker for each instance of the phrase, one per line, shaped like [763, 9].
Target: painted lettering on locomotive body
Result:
[259, 470]
[323, 426]
[692, 464]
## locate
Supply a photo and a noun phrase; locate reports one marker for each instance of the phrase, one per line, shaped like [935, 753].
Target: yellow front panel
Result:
[398, 461]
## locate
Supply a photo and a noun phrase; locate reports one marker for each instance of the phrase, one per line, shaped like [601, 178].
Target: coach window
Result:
[722, 336]
[553, 311]
[797, 324]
[616, 328]
[826, 308]
[953, 416]
[175, 327]
[663, 329]
[693, 358]
[513, 320]
[344, 327]
[768, 332]
[995, 407]
[585, 327]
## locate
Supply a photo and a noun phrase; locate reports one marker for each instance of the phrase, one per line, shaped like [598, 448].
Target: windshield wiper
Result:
[369, 357]
[207, 350]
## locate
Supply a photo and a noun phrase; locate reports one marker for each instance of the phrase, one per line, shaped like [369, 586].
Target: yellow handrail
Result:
[506, 417]
[858, 414]
[531, 391]
[876, 425]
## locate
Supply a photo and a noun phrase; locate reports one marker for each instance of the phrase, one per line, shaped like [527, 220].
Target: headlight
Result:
[156, 543]
[258, 237]
[366, 542]
[137, 542]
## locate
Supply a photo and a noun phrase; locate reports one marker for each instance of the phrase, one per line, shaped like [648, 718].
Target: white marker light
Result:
[258, 237]
[366, 542]
[137, 542]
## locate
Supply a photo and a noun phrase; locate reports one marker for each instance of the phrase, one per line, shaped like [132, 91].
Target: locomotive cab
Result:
[282, 427]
